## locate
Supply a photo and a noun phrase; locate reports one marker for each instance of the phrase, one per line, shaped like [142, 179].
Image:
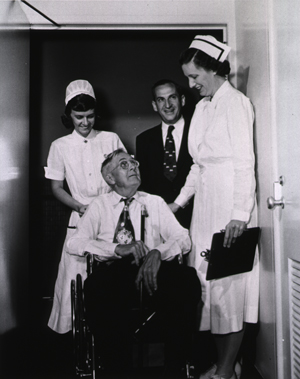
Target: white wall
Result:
[123, 12]
[12, 15]
[14, 152]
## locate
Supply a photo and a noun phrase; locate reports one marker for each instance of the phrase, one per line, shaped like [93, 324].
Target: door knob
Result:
[272, 203]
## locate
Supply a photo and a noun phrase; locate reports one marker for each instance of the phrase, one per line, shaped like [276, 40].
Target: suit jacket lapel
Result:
[160, 145]
[183, 146]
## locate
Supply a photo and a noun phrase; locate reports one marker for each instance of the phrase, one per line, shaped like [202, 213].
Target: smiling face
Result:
[83, 121]
[124, 181]
[201, 79]
[168, 103]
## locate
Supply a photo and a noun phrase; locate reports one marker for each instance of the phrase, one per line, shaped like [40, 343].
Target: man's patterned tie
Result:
[170, 167]
[124, 233]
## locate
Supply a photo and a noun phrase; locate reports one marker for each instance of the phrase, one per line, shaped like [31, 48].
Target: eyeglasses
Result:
[126, 164]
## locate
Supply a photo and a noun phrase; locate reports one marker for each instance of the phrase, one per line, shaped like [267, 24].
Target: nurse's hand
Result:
[234, 229]
[174, 207]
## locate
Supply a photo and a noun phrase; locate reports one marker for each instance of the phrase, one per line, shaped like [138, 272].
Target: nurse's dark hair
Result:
[201, 59]
[79, 103]
[162, 82]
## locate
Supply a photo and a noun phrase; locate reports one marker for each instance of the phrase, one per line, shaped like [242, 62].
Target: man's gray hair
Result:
[110, 157]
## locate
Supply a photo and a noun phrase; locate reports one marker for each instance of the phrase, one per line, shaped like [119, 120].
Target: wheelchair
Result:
[87, 365]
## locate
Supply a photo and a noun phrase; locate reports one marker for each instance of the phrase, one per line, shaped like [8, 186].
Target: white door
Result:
[268, 63]
[285, 99]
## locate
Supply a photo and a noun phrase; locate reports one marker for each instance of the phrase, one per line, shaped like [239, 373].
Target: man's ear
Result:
[110, 180]
[154, 106]
[182, 100]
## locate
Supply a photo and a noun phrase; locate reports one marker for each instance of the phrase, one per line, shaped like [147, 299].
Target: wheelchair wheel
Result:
[83, 340]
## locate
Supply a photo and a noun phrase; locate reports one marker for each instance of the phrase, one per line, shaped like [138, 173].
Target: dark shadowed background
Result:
[122, 65]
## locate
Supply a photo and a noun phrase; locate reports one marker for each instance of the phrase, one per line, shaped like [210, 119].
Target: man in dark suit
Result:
[153, 147]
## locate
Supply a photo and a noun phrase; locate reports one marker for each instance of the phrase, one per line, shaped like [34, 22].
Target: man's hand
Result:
[137, 249]
[149, 270]
[82, 209]
[234, 229]
[174, 207]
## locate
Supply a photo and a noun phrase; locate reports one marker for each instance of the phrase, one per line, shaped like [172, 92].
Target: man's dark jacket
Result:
[150, 154]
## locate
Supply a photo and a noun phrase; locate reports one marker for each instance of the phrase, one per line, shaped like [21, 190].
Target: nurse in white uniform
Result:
[76, 158]
[222, 179]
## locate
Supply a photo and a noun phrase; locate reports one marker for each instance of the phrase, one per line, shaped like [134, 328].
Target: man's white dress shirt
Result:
[96, 228]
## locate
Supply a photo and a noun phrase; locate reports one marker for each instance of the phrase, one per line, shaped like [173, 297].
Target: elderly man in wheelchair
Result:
[135, 240]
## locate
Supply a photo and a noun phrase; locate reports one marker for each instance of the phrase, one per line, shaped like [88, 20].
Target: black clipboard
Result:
[237, 259]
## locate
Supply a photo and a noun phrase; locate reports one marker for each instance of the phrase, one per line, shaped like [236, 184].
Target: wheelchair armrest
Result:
[90, 261]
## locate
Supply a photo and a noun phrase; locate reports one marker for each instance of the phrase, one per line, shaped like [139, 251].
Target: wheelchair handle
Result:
[89, 261]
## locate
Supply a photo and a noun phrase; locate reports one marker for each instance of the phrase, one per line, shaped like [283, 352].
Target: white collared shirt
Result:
[95, 230]
[177, 133]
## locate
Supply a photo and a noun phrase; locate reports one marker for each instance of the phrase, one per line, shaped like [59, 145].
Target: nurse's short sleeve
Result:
[55, 168]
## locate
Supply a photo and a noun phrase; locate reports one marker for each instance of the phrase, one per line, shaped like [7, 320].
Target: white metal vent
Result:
[294, 280]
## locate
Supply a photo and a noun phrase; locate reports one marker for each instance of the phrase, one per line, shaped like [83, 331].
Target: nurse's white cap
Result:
[78, 87]
[211, 46]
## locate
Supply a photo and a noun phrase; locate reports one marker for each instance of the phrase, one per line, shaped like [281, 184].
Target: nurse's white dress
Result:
[78, 160]
[222, 179]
